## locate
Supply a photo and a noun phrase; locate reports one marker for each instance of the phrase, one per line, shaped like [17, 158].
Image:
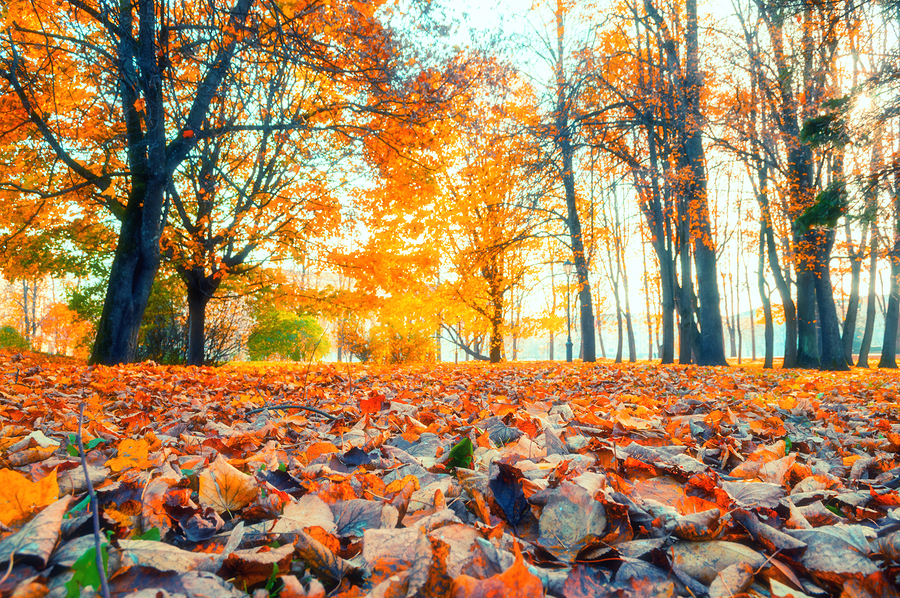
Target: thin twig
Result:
[309, 364]
[290, 406]
[95, 515]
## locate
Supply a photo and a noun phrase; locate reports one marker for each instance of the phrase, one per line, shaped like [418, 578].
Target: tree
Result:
[793, 54]
[116, 99]
[561, 131]
[646, 111]
[484, 204]
[237, 204]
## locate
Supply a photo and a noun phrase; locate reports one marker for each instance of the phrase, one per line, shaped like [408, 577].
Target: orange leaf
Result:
[516, 581]
[132, 453]
[224, 488]
[20, 497]
[318, 449]
[371, 404]
[501, 409]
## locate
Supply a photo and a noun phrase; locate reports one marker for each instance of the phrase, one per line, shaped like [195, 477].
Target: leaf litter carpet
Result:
[452, 480]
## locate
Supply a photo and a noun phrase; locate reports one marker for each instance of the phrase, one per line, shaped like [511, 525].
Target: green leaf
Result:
[282, 467]
[834, 510]
[272, 578]
[787, 444]
[152, 534]
[829, 206]
[72, 449]
[85, 572]
[80, 505]
[461, 455]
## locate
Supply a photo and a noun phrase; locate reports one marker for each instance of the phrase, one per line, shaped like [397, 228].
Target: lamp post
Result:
[567, 268]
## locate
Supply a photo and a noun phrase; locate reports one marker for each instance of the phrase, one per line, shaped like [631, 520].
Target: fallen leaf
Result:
[20, 498]
[37, 538]
[131, 453]
[308, 511]
[731, 580]
[570, 519]
[224, 488]
[516, 581]
[704, 560]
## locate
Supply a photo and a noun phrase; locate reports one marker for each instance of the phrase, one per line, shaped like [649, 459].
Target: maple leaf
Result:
[131, 453]
[20, 497]
[224, 488]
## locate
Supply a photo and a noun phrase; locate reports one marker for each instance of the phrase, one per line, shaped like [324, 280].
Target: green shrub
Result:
[280, 334]
[11, 339]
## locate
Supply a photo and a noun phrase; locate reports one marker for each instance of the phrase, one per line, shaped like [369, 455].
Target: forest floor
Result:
[518, 479]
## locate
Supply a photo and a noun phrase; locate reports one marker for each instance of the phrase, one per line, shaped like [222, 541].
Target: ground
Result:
[450, 480]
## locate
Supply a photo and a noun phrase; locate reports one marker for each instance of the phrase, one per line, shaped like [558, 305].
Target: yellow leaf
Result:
[132, 453]
[224, 488]
[398, 485]
[20, 497]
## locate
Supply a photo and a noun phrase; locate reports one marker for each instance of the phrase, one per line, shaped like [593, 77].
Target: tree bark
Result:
[832, 357]
[892, 315]
[848, 334]
[751, 310]
[712, 337]
[764, 297]
[807, 330]
[200, 289]
[685, 302]
[496, 341]
[869, 330]
[564, 141]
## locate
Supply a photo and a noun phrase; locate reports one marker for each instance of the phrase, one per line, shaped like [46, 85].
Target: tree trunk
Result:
[685, 304]
[619, 332]
[629, 327]
[736, 316]
[647, 299]
[832, 357]
[764, 297]
[729, 319]
[197, 302]
[661, 237]
[131, 277]
[496, 341]
[552, 309]
[667, 284]
[868, 332]
[563, 139]
[807, 330]
[892, 315]
[856, 256]
[200, 289]
[750, 307]
[600, 335]
[712, 337]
